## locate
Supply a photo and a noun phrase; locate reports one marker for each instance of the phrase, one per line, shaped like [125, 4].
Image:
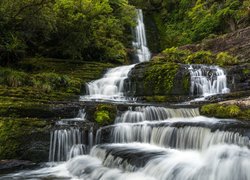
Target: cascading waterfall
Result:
[151, 113]
[64, 142]
[155, 143]
[187, 137]
[112, 86]
[140, 44]
[207, 80]
[69, 140]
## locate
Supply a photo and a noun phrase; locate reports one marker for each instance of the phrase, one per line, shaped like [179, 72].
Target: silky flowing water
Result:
[148, 142]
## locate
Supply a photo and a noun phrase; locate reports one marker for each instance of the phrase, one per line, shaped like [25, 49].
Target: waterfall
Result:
[69, 140]
[62, 141]
[140, 44]
[151, 113]
[147, 142]
[187, 137]
[73, 121]
[112, 86]
[150, 162]
[207, 80]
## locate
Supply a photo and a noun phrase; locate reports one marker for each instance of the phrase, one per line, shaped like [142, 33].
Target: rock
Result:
[14, 164]
[238, 77]
[236, 43]
[159, 79]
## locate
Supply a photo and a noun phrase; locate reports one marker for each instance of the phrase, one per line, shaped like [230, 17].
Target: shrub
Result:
[105, 114]
[223, 58]
[200, 57]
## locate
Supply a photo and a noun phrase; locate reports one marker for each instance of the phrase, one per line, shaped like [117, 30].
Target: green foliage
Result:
[175, 55]
[223, 58]
[200, 57]
[182, 22]
[225, 111]
[13, 133]
[76, 29]
[105, 114]
[159, 78]
[13, 78]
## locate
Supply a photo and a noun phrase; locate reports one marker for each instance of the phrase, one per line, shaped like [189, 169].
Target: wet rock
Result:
[6, 165]
[159, 79]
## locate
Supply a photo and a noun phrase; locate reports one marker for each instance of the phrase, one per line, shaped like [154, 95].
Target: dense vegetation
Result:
[75, 29]
[181, 22]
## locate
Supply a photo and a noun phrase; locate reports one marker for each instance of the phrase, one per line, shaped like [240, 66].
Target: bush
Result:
[223, 58]
[200, 57]
[175, 55]
[221, 111]
[105, 114]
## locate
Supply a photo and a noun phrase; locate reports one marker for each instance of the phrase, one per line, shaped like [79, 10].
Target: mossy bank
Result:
[34, 94]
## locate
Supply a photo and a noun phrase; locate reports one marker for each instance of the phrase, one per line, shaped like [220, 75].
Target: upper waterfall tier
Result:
[140, 44]
[112, 85]
[208, 80]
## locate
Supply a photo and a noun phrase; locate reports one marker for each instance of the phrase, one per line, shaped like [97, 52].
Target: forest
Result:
[125, 89]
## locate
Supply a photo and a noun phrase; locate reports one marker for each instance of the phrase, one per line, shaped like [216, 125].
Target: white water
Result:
[62, 141]
[202, 153]
[181, 138]
[140, 44]
[151, 113]
[81, 116]
[112, 86]
[69, 140]
[208, 80]
[222, 162]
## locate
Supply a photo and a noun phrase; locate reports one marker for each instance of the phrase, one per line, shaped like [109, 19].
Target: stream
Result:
[148, 142]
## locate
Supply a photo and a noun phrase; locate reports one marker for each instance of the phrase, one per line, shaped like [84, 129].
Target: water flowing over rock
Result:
[69, 140]
[207, 80]
[148, 142]
[62, 142]
[182, 133]
[151, 113]
[112, 86]
[140, 44]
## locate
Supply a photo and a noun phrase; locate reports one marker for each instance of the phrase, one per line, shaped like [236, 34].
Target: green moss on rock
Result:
[225, 111]
[105, 114]
[159, 77]
[16, 135]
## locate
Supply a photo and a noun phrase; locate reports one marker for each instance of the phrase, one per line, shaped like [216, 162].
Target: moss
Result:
[159, 77]
[14, 133]
[225, 111]
[200, 57]
[156, 98]
[246, 71]
[105, 114]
